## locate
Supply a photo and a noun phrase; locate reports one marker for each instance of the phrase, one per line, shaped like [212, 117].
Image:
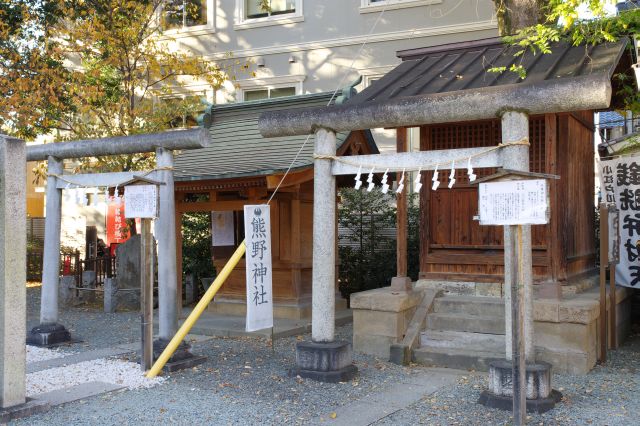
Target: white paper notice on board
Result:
[515, 202]
[222, 229]
[141, 201]
[257, 230]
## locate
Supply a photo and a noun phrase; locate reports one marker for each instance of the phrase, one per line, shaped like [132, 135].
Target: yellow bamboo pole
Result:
[197, 311]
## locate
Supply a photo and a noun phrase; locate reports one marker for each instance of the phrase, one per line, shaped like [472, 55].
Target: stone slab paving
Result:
[210, 324]
[395, 398]
[77, 392]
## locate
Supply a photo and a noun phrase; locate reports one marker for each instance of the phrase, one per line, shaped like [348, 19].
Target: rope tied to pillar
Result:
[524, 141]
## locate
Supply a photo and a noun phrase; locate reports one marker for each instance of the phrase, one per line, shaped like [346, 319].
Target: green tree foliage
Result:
[367, 253]
[83, 69]
[579, 22]
[196, 245]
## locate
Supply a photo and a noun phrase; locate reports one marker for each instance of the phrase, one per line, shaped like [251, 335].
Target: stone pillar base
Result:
[181, 359]
[324, 362]
[540, 397]
[49, 335]
[401, 284]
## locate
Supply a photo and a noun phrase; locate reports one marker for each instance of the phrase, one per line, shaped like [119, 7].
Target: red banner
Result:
[116, 223]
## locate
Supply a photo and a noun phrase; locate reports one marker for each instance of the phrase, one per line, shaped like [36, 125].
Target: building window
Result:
[367, 6]
[268, 93]
[187, 14]
[257, 13]
[265, 8]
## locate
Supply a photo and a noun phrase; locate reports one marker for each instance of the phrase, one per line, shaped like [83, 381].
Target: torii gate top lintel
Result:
[134, 144]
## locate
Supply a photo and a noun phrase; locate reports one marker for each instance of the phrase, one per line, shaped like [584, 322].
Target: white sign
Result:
[515, 202]
[620, 185]
[257, 230]
[614, 235]
[141, 201]
[222, 229]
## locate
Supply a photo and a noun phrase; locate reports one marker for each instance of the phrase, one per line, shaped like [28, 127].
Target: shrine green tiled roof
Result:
[237, 148]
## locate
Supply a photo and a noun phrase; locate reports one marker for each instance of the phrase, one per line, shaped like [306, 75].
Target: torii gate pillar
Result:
[13, 292]
[324, 359]
[50, 332]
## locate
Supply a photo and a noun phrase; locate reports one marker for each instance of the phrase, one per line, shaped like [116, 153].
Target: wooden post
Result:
[401, 282]
[604, 260]
[613, 332]
[518, 354]
[146, 293]
[401, 218]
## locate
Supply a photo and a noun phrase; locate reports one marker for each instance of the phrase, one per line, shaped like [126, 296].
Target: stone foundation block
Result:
[48, 335]
[110, 297]
[378, 346]
[181, 359]
[66, 292]
[324, 362]
[540, 396]
[381, 318]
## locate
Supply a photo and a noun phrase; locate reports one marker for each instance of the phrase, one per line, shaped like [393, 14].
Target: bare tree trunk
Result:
[514, 15]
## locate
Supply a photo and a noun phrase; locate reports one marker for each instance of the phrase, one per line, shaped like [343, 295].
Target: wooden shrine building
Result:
[240, 167]
[449, 95]
[454, 247]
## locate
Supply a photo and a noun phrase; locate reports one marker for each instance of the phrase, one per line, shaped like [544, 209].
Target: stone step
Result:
[470, 305]
[463, 359]
[463, 340]
[463, 322]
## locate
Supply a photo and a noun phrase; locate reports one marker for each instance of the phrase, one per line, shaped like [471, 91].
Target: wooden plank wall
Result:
[578, 173]
[453, 245]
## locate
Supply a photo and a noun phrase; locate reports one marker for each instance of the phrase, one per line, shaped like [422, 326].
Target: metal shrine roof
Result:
[452, 83]
[238, 150]
[463, 66]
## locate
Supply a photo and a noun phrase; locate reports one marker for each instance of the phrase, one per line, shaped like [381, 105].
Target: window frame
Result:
[369, 6]
[207, 28]
[242, 22]
[269, 83]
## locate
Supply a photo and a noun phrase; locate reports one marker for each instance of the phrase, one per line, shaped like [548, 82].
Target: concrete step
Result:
[464, 322]
[463, 359]
[463, 340]
[470, 305]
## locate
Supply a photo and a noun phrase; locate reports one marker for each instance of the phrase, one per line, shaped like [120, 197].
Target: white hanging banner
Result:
[514, 202]
[620, 185]
[222, 230]
[257, 230]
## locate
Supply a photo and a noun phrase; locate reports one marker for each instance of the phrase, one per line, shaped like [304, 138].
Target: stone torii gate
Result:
[50, 331]
[325, 359]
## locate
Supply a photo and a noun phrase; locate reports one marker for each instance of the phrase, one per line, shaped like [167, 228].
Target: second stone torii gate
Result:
[325, 359]
[50, 331]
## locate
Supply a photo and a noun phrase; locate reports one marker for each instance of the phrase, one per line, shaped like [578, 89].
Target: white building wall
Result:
[316, 50]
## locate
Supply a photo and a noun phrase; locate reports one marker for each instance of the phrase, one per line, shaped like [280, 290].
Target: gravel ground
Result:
[244, 381]
[35, 354]
[115, 371]
[608, 395]
[90, 324]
